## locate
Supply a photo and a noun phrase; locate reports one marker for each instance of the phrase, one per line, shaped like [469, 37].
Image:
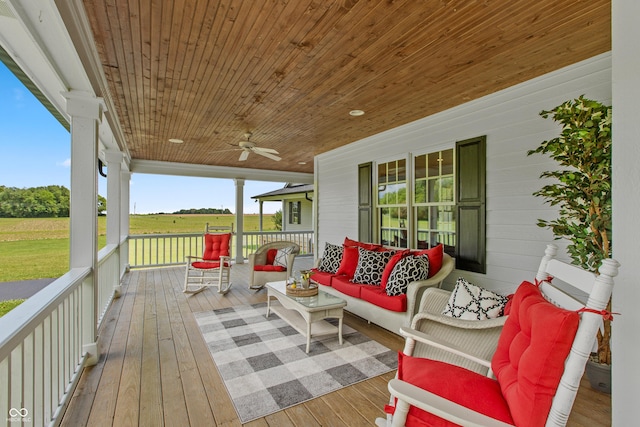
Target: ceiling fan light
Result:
[176, 140]
[356, 113]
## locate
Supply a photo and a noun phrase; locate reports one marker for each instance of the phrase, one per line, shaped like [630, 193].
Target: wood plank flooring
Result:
[155, 369]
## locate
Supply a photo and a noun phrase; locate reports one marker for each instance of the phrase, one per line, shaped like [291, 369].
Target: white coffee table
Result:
[301, 312]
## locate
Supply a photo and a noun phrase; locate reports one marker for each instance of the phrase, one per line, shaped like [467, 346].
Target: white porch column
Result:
[626, 203]
[114, 205]
[86, 113]
[260, 203]
[239, 219]
[125, 183]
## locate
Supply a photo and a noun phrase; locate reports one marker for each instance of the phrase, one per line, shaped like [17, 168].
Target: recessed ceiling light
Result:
[176, 140]
[302, 163]
[356, 113]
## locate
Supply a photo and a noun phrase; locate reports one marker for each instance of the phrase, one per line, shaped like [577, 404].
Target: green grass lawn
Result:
[7, 306]
[37, 248]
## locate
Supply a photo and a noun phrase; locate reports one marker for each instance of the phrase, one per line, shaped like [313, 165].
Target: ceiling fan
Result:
[249, 147]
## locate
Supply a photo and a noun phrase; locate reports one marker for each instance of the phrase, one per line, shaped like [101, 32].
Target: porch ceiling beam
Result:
[205, 171]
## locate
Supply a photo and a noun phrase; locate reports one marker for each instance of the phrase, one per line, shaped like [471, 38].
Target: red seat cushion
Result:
[529, 360]
[378, 296]
[215, 246]
[321, 277]
[269, 268]
[207, 265]
[465, 387]
[344, 285]
[355, 243]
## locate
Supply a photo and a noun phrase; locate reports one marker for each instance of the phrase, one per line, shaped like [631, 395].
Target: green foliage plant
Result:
[581, 189]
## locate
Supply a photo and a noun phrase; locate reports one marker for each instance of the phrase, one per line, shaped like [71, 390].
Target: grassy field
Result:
[36, 248]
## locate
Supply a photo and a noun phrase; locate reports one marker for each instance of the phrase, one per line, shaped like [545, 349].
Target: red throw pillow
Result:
[460, 385]
[349, 261]
[532, 349]
[216, 245]
[392, 263]
[271, 255]
[368, 246]
[435, 255]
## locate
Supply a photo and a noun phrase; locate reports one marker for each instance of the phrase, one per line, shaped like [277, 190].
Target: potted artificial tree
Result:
[582, 193]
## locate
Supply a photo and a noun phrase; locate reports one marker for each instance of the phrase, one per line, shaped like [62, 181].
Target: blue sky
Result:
[35, 151]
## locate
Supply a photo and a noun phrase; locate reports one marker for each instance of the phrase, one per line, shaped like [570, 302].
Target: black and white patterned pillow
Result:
[331, 258]
[282, 256]
[370, 266]
[408, 269]
[471, 302]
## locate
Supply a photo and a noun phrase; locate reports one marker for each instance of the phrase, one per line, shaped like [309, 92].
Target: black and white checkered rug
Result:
[264, 365]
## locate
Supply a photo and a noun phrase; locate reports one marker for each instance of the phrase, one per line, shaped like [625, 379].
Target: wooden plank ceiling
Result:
[208, 71]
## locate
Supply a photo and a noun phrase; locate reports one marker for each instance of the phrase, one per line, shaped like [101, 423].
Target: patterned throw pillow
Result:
[370, 266]
[331, 258]
[408, 269]
[282, 255]
[471, 302]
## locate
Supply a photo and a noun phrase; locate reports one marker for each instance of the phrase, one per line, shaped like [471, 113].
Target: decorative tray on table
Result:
[296, 290]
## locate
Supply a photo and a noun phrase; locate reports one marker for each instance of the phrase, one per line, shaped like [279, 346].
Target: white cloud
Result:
[65, 164]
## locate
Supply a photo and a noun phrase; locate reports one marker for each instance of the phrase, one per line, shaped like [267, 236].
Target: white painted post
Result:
[239, 219]
[114, 206]
[125, 182]
[86, 113]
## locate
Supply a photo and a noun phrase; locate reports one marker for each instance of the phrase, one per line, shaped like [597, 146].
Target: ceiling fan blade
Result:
[265, 150]
[268, 155]
[244, 155]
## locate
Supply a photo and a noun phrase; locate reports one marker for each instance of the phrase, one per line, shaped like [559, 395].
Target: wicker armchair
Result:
[259, 275]
[476, 337]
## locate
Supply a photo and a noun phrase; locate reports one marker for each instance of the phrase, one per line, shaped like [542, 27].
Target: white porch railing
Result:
[155, 250]
[43, 341]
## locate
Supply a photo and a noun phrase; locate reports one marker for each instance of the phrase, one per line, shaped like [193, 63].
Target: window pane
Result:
[402, 170]
[434, 164]
[446, 189]
[420, 167]
[420, 191]
[433, 191]
[447, 162]
[382, 173]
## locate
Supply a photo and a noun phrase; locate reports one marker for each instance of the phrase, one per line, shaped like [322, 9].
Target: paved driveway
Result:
[22, 289]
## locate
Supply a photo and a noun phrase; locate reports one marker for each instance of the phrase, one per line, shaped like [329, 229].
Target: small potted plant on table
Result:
[582, 193]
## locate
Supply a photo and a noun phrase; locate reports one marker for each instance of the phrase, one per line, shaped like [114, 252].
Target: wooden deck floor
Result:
[155, 370]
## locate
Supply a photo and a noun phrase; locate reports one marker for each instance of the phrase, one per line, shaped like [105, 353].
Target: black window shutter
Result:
[471, 215]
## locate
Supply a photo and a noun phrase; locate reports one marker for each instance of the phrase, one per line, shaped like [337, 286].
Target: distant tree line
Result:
[51, 201]
[208, 211]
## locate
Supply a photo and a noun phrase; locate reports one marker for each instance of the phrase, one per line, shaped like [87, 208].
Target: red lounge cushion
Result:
[532, 349]
[321, 277]
[271, 255]
[467, 388]
[207, 265]
[268, 268]
[355, 243]
[378, 296]
[349, 261]
[216, 245]
[435, 255]
[344, 285]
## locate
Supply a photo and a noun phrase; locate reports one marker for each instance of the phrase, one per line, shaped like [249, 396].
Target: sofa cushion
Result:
[282, 256]
[392, 263]
[331, 258]
[343, 284]
[436, 255]
[436, 377]
[349, 261]
[268, 268]
[378, 296]
[371, 265]
[321, 277]
[471, 302]
[531, 353]
[408, 269]
[355, 243]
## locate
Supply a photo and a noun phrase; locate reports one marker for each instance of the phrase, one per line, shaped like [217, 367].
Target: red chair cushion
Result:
[467, 388]
[435, 255]
[321, 277]
[378, 296]
[532, 349]
[215, 246]
[207, 265]
[269, 268]
[347, 287]
[349, 261]
[271, 255]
